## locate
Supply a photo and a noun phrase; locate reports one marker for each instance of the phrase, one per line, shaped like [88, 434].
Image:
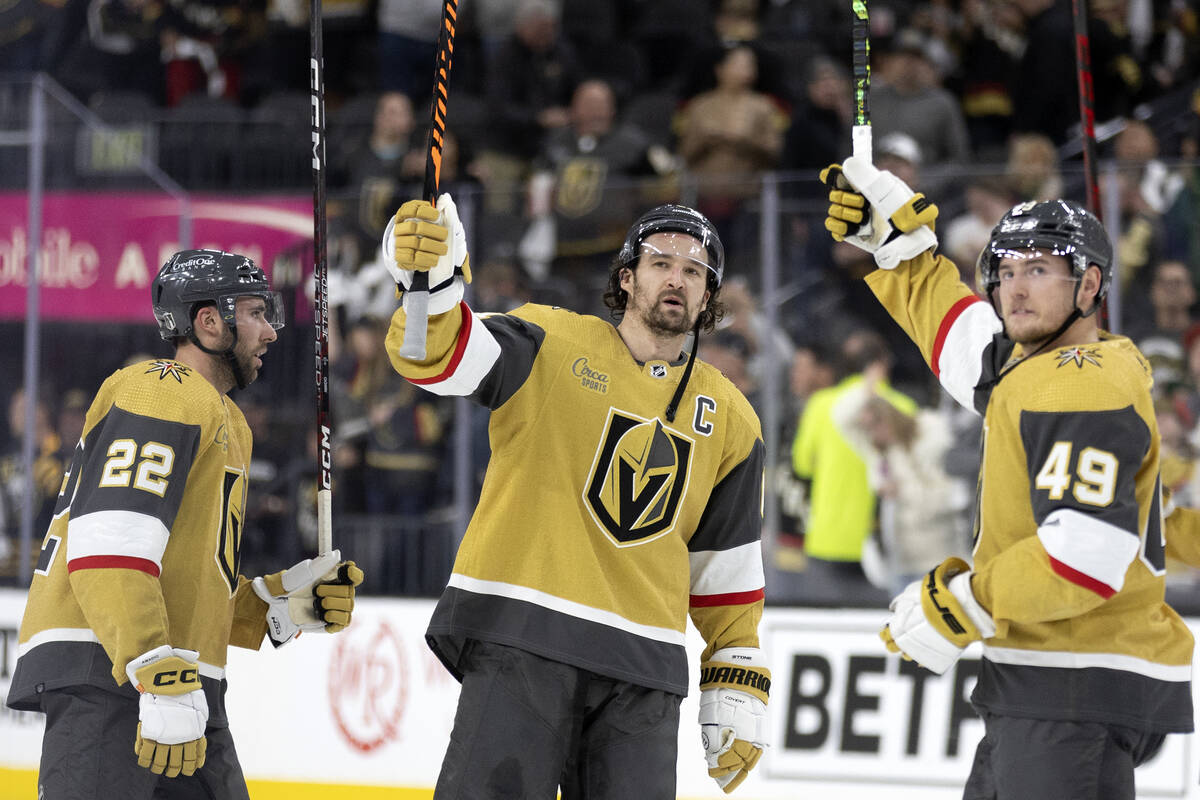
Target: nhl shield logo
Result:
[638, 477]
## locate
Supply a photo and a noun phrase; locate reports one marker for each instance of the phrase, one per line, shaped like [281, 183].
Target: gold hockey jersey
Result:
[1069, 550]
[143, 548]
[601, 525]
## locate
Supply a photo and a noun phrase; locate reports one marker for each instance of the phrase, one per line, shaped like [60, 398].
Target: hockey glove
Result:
[935, 618]
[899, 225]
[172, 711]
[315, 595]
[423, 238]
[734, 687]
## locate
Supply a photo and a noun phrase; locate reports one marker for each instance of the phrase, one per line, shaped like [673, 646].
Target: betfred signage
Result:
[844, 711]
[99, 252]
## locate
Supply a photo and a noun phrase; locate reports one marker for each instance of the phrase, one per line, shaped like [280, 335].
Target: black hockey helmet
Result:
[673, 218]
[1055, 227]
[193, 278]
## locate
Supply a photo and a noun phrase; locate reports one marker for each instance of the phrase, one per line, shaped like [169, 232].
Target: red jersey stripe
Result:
[113, 562]
[1081, 579]
[464, 334]
[947, 323]
[731, 599]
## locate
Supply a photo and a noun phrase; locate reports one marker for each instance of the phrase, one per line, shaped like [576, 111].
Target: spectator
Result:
[909, 97]
[120, 49]
[528, 84]
[408, 35]
[990, 45]
[901, 154]
[402, 429]
[921, 508]
[1141, 237]
[728, 135]
[594, 29]
[841, 513]
[674, 52]
[1041, 104]
[1033, 167]
[1158, 329]
[819, 131]
[583, 189]
[988, 198]
[1183, 235]
[1051, 107]
[767, 346]
[47, 464]
[730, 353]
[377, 167]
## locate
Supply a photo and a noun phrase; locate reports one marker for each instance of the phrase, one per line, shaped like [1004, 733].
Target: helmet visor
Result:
[1020, 252]
[681, 245]
[272, 313]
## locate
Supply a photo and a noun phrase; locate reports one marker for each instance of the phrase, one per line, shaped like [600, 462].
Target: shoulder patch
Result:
[1080, 356]
[168, 369]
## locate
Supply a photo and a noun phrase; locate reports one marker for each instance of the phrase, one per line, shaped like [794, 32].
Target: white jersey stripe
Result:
[563, 606]
[117, 533]
[961, 360]
[1098, 549]
[739, 569]
[1047, 658]
[479, 354]
[88, 635]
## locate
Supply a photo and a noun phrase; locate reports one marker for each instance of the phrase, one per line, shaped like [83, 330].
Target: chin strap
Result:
[227, 354]
[1068, 322]
[673, 406]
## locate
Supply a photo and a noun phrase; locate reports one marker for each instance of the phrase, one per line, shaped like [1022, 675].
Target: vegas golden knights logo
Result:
[229, 541]
[580, 187]
[638, 477]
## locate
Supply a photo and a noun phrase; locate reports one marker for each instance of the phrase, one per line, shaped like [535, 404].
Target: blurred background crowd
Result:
[566, 119]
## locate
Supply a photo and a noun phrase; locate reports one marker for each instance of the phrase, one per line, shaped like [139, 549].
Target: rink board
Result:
[368, 712]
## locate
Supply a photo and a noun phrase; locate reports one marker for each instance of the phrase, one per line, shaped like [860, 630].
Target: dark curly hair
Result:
[616, 298]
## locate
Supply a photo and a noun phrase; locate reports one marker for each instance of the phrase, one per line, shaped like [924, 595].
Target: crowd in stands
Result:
[567, 118]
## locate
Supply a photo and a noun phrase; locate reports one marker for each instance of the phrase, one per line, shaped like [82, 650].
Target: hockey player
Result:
[623, 493]
[1085, 667]
[136, 595]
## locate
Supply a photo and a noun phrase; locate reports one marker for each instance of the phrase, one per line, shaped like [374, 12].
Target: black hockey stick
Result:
[417, 319]
[316, 73]
[1087, 110]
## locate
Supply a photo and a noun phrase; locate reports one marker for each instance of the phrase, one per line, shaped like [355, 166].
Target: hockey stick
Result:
[861, 37]
[316, 74]
[417, 319]
[1087, 110]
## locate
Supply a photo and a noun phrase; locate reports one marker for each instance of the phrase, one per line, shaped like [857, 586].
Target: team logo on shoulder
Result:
[1078, 356]
[169, 369]
[638, 478]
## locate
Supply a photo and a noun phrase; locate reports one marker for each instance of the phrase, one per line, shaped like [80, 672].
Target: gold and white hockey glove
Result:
[734, 686]
[427, 239]
[315, 595]
[877, 212]
[172, 711]
[936, 617]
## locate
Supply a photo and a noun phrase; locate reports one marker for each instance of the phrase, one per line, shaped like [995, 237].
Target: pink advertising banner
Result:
[100, 252]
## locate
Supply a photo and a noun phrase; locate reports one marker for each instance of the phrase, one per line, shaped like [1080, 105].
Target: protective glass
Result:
[683, 245]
